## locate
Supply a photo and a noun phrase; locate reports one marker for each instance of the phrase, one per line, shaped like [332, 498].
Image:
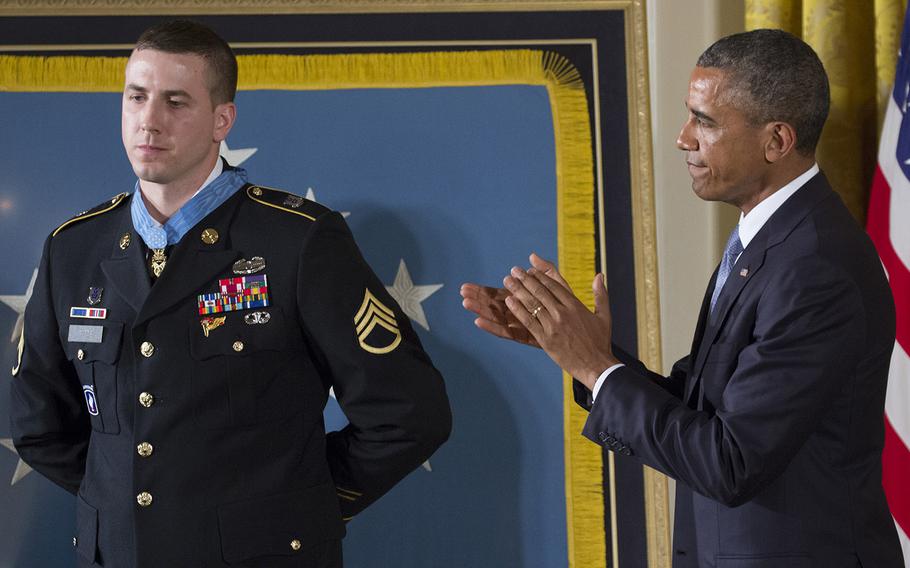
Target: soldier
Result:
[181, 341]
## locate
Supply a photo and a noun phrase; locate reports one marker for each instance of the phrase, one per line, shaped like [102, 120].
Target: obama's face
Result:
[724, 152]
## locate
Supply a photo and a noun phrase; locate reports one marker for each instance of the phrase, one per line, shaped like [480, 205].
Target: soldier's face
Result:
[171, 130]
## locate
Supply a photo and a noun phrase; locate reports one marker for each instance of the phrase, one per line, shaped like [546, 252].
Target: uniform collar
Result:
[217, 188]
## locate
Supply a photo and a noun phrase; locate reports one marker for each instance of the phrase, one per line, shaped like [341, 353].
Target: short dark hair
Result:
[774, 76]
[185, 36]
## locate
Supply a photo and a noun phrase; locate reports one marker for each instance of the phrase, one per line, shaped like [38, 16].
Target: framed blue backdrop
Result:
[456, 138]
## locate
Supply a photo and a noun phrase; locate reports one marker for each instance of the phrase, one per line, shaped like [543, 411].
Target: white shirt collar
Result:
[216, 171]
[751, 224]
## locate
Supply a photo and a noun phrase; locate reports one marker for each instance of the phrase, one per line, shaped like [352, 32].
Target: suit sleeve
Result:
[804, 347]
[385, 383]
[48, 420]
[674, 383]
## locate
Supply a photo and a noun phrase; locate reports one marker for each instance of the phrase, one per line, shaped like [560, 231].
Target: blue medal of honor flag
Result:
[442, 186]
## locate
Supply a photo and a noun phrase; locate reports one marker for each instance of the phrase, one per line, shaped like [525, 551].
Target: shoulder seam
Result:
[113, 203]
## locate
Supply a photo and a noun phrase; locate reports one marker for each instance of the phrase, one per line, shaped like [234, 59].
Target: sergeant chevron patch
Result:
[373, 313]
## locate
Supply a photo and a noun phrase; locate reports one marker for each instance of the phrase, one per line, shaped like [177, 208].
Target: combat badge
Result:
[244, 266]
[373, 313]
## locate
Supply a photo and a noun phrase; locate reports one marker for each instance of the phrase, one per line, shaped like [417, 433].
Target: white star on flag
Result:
[18, 303]
[236, 157]
[22, 468]
[410, 296]
[311, 195]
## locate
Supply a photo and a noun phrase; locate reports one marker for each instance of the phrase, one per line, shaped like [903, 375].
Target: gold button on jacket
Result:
[145, 449]
[144, 499]
[146, 399]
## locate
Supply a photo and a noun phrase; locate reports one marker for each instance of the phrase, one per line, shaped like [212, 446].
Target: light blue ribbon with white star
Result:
[158, 236]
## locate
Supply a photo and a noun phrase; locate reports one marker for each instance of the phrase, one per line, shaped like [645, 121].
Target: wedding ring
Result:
[536, 311]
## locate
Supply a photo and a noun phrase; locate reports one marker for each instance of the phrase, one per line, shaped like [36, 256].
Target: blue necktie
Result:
[731, 252]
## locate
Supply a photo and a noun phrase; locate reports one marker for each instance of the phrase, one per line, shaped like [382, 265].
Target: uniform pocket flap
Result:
[86, 529]
[238, 334]
[280, 525]
[100, 342]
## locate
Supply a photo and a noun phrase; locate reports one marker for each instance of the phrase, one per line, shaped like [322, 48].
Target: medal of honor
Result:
[158, 261]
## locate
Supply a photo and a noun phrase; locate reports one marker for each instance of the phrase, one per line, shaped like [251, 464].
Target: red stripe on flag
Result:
[879, 228]
[895, 465]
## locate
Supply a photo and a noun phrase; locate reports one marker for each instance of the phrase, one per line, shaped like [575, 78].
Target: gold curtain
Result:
[857, 41]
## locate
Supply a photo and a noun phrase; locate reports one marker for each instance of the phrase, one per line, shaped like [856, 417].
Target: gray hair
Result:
[774, 76]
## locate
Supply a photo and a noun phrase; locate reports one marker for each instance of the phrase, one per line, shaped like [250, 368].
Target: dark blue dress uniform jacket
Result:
[773, 426]
[238, 470]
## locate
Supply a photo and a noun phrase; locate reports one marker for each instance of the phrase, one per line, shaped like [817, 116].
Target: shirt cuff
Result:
[600, 380]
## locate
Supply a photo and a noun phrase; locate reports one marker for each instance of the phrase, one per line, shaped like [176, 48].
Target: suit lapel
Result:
[126, 268]
[775, 230]
[748, 264]
[697, 339]
[193, 264]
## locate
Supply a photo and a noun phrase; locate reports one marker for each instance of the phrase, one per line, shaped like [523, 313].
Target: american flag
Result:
[889, 210]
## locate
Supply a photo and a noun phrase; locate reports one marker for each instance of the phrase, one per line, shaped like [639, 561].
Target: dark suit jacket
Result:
[240, 470]
[773, 426]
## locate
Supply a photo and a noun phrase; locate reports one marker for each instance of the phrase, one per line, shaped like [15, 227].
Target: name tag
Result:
[85, 333]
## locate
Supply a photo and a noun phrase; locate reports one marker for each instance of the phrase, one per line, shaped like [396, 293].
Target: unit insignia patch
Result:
[90, 401]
